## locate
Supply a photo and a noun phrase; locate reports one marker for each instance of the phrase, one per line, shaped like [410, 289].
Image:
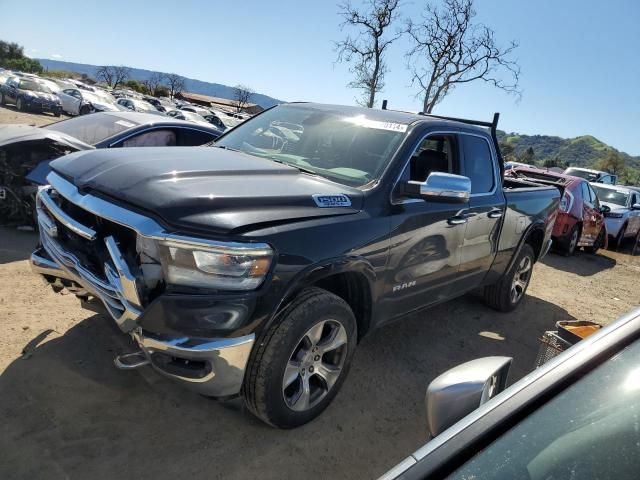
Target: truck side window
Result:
[478, 163]
[434, 154]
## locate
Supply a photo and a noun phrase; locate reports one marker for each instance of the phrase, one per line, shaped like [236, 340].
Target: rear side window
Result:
[194, 138]
[594, 197]
[586, 194]
[478, 164]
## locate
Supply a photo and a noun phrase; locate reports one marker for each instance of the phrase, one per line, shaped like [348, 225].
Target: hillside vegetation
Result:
[583, 151]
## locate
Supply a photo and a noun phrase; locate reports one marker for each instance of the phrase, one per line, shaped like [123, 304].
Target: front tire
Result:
[20, 104]
[85, 110]
[299, 365]
[507, 294]
[1, 98]
[620, 238]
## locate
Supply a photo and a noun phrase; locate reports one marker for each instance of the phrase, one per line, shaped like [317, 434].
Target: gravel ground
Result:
[10, 114]
[67, 413]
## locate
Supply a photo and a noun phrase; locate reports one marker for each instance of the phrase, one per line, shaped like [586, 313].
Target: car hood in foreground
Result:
[206, 189]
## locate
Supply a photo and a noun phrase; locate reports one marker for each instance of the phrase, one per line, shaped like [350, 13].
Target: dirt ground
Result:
[67, 413]
[10, 114]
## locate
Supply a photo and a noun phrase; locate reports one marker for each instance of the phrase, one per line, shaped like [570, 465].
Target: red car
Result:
[580, 221]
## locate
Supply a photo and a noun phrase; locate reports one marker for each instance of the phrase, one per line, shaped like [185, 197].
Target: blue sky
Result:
[580, 59]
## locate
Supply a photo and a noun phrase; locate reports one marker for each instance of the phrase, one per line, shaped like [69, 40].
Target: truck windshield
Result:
[611, 196]
[352, 150]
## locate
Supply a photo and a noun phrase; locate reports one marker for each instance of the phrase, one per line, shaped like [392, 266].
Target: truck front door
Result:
[425, 236]
[486, 209]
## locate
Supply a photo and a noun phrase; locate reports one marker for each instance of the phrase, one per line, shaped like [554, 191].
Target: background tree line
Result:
[12, 57]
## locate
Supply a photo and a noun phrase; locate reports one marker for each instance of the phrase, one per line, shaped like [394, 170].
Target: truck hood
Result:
[10, 134]
[207, 189]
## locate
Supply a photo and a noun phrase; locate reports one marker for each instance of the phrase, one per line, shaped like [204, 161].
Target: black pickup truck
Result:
[254, 266]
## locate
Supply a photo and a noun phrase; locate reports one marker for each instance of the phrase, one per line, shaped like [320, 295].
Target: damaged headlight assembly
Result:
[217, 267]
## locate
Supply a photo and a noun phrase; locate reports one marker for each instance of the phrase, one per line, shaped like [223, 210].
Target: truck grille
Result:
[97, 253]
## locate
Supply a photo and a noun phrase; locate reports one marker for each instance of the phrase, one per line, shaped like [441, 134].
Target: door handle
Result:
[457, 220]
[495, 213]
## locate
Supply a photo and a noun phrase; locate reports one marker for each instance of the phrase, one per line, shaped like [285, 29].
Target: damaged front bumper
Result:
[212, 367]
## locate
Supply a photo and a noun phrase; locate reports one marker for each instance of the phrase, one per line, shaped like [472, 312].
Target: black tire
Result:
[57, 113]
[263, 390]
[498, 296]
[570, 242]
[1, 98]
[599, 243]
[84, 110]
[620, 238]
[20, 104]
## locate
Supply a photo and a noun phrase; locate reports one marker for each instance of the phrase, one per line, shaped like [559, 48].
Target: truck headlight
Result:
[217, 267]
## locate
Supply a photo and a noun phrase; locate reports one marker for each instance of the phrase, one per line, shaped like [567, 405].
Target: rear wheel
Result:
[598, 244]
[505, 295]
[299, 365]
[570, 242]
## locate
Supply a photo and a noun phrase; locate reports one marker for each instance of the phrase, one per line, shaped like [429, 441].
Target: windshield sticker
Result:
[124, 123]
[362, 121]
[327, 201]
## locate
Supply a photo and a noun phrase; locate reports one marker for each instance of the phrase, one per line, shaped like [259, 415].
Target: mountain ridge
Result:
[191, 84]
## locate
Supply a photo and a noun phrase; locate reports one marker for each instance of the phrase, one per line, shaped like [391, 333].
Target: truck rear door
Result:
[486, 209]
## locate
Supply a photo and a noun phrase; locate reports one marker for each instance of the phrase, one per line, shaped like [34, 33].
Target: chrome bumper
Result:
[213, 367]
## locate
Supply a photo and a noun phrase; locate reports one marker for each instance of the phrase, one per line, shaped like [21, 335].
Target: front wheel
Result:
[20, 104]
[620, 238]
[1, 98]
[302, 360]
[507, 294]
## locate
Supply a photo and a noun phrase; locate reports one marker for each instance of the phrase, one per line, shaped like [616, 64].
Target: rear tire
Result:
[292, 352]
[599, 243]
[507, 294]
[570, 242]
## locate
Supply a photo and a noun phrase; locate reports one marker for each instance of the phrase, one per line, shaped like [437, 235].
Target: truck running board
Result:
[131, 361]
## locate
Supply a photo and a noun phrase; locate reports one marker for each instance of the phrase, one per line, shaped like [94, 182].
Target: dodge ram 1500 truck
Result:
[254, 266]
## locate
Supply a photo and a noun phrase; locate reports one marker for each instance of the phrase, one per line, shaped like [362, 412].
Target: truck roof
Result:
[392, 116]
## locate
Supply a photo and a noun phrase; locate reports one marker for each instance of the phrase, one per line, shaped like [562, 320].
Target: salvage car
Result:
[576, 417]
[254, 267]
[623, 217]
[81, 102]
[581, 217]
[26, 151]
[138, 105]
[29, 94]
[597, 176]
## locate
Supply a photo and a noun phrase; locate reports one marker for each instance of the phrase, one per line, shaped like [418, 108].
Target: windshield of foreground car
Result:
[93, 128]
[352, 150]
[611, 196]
[590, 430]
[33, 86]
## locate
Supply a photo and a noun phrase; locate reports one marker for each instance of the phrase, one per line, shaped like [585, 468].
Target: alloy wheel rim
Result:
[315, 365]
[521, 279]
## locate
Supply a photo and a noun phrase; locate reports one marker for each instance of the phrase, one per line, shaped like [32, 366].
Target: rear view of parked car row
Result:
[591, 214]
[51, 95]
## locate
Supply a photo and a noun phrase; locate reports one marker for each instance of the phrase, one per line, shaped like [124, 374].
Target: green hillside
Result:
[584, 151]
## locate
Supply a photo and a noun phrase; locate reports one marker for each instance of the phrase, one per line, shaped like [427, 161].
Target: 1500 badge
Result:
[325, 201]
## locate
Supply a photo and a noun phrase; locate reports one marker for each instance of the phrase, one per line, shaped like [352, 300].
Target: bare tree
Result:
[105, 74]
[120, 75]
[242, 95]
[449, 50]
[175, 84]
[112, 75]
[153, 83]
[365, 51]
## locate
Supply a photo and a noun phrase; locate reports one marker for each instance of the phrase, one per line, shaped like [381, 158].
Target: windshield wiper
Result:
[224, 147]
[302, 169]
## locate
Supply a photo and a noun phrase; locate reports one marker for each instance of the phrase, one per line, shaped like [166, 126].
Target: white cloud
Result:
[56, 55]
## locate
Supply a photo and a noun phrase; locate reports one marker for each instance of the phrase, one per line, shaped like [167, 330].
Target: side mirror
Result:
[440, 187]
[606, 209]
[459, 391]
[635, 206]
